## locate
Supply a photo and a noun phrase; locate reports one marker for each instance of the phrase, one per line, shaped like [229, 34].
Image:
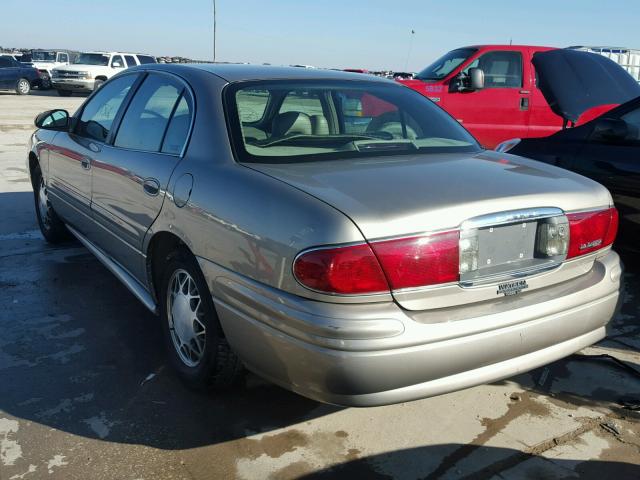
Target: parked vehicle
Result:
[46, 60]
[91, 69]
[355, 262]
[17, 76]
[627, 58]
[605, 149]
[491, 90]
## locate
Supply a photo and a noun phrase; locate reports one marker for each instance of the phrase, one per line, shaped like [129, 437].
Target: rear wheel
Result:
[65, 93]
[52, 228]
[194, 339]
[23, 87]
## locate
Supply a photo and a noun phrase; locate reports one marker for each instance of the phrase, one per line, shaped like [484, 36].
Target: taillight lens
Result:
[420, 261]
[402, 263]
[591, 231]
[348, 270]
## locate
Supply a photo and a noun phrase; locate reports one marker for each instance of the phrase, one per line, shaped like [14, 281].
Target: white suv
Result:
[46, 60]
[92, 69]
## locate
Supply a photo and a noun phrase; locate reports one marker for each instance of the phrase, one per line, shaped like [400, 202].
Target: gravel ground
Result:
[85, 393]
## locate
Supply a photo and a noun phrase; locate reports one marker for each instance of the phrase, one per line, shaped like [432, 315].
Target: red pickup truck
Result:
[491, 90]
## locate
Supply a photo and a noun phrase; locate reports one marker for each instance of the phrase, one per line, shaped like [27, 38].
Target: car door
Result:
[131, 177]
[73, 153]
[616, 165]
[9, 72]
[500, 111]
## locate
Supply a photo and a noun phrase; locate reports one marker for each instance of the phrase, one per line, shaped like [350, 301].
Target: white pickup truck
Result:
[46, 60]
[92, 69]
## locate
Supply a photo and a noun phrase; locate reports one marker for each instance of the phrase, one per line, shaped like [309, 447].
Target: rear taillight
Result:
[396, 264]
[591, 231]
[349, 270]
[420, 261]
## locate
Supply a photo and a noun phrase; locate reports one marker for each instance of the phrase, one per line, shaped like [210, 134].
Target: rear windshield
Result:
[446, 64]
[290, 121]
[43, 56]
[92, 59]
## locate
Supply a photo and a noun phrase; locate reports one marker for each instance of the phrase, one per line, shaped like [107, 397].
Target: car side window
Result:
[63, 57]
[302, 101]
[501, 69]
[178, 130]
[147, 117]
[5, 62]
[633, 122]
[99, 113]
[131, 62]
[117, 62]
[144, 59]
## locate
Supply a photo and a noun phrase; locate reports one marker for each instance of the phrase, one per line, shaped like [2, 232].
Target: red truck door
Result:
[501, 110]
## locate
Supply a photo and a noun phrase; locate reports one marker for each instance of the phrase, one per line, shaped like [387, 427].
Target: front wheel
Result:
[194, 339]
[65, 93]
[45, 81]
[53, 229]
[23, 87]
[98, 83]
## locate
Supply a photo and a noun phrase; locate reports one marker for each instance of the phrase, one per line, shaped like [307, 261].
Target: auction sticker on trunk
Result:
[512, 288]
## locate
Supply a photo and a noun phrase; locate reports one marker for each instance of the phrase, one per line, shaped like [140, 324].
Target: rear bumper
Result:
[376, 354]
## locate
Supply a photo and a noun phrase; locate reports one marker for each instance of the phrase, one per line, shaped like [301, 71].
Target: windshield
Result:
[288, 121]
[446, 64]
[43, 56]
[92, 59]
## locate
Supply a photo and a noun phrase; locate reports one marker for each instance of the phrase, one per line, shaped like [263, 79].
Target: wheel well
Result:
[101, 77]
[161, 245]
[33, 163]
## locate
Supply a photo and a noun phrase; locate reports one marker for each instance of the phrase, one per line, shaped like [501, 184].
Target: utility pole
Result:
[214, 31]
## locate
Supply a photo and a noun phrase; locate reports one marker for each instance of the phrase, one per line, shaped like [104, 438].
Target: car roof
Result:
[243, 72]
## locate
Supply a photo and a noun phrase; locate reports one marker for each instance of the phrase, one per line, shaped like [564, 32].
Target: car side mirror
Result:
[53, 120]
[609, 130]
[117, 64]
[476, 79]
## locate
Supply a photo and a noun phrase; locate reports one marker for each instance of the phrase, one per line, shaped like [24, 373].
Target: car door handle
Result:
[151, 187]
[86, 163]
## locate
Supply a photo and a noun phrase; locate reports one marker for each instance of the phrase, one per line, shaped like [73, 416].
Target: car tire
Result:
[53, 229]
[45, 81]
[195, 343]
[23, 86]
[97, 84]
[65, 93]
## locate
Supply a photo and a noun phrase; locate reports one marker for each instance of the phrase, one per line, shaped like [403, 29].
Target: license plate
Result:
[506, 244]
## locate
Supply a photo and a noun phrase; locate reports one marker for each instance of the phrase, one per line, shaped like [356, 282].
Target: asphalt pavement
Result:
[85, 391]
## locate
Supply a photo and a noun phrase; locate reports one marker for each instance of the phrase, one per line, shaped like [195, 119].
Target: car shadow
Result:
[506, 462]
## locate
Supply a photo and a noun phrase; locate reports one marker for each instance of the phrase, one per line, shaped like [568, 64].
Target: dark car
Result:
[606, 149]
[17, 76]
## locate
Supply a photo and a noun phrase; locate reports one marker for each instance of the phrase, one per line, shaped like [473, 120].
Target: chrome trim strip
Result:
[506, 276]
[510, 216]
[131, 283]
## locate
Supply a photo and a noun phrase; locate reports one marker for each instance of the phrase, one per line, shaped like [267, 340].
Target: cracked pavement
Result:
[84, 392]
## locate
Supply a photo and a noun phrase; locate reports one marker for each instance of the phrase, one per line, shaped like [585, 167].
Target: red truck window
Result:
[501, 69]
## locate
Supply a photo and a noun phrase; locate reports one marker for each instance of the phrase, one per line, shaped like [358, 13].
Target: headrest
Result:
[319, 125]
[291, 123]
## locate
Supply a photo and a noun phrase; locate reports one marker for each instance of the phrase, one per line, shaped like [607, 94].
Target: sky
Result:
[374, 34]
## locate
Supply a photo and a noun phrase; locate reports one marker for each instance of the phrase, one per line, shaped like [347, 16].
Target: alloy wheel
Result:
[185, 317]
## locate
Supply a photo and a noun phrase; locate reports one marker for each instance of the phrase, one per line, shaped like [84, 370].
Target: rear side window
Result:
[98, 114]
[176, 136]
[145, 122]
[144, 59]
[501, 69]
[131, 62]
[5, 62]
